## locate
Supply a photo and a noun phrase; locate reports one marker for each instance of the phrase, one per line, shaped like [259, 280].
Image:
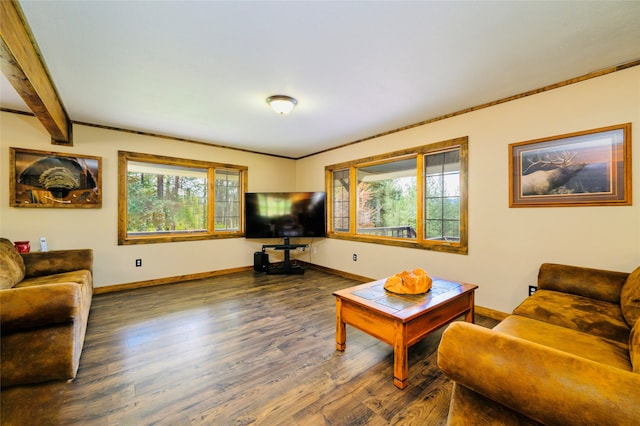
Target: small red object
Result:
[22, 246]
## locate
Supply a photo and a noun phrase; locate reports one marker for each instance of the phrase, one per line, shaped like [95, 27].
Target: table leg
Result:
[400, 357]
[470, 316]
[341, 329]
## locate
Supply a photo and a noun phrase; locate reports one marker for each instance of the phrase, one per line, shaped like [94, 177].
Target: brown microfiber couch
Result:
[568, 355]
[44, 307]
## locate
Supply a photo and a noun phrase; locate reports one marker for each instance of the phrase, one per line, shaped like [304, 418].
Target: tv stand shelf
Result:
[287, 267]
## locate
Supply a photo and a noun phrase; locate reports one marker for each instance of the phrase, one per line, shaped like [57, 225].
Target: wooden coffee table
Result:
[401, 320]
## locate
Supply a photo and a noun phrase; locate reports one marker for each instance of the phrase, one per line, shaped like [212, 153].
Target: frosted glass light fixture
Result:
[281, 104]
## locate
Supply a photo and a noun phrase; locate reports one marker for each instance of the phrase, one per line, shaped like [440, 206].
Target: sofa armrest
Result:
[544, 384]
[593, 283]
[24, 308]
[38, 264]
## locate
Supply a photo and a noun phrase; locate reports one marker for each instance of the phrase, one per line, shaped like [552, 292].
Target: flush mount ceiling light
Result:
[281, 104]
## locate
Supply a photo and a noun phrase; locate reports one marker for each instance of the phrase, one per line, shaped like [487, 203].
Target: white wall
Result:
[97, 228]
[507, 245]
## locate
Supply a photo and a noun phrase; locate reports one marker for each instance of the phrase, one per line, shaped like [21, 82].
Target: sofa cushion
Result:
[597, 284]
[630, 297]
[634, 347]
[81, 277]
[56, 304]
[38, 264]
[591, 316]
[585, 345]
[11, 265]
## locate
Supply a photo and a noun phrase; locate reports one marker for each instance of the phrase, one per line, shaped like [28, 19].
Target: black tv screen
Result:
[285, 214]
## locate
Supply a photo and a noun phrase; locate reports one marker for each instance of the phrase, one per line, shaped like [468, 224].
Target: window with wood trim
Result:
[412, 198]
[340, 200]
[163, 199]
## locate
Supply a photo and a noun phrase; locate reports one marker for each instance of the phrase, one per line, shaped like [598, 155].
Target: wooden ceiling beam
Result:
[23, 66]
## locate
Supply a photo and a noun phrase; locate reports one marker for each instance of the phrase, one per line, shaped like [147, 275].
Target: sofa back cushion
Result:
[11, 265]
[588, 282]
[630, 298]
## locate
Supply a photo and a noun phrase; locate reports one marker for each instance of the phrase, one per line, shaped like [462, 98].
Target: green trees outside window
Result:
[415, 198]
[386, 195]
[442, 196]
[169, 199]
[166, 199]
[340, 199]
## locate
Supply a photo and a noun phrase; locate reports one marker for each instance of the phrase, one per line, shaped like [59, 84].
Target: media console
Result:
[287, 267]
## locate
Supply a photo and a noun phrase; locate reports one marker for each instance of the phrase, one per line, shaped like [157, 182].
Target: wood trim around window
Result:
[460, 247]
[124, 239]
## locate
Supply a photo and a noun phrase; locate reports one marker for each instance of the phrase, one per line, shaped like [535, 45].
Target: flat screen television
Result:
[285, 214]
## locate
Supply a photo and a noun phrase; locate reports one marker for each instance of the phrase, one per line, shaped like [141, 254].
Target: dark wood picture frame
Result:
[587, 168]
[45, 179]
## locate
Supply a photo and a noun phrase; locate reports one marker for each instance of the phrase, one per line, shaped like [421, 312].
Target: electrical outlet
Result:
[532, 289]
[355, 257]
[138, 263]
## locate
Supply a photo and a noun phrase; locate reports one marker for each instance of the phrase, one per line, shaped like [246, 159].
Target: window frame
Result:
[124, 239]
[420, 242]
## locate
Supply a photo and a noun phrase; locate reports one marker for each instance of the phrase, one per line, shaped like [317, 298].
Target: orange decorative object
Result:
[415, 282]
[22, 246]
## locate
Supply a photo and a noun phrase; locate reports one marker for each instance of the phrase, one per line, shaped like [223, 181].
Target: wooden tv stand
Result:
[287, 267]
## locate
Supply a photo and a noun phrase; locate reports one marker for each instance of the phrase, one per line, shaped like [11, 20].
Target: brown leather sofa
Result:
[568, 355]
[44, 308]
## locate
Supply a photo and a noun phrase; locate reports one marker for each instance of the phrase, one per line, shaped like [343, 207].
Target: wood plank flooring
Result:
[238, 349]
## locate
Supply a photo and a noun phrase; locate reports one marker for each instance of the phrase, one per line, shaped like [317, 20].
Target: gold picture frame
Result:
[45, 179]
[587, 168]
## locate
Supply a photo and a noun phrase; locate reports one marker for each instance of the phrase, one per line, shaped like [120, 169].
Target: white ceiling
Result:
[201, 70]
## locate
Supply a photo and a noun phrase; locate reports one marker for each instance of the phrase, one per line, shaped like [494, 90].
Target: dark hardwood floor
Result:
[239, 349]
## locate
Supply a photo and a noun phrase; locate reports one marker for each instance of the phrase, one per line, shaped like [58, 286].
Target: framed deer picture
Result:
[588, 168]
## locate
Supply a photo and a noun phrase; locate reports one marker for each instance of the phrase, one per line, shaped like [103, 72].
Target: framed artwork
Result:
[588, 168]
[55, 180]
